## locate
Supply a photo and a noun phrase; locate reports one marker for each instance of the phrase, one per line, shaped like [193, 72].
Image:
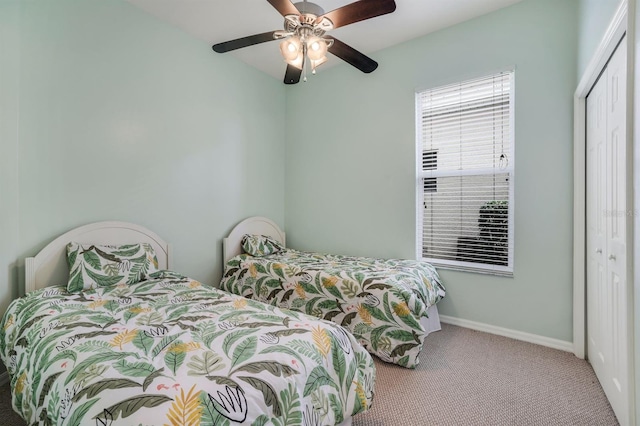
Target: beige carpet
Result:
[471, 378]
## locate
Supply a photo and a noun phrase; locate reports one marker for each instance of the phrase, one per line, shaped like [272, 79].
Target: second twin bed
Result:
[388, 305]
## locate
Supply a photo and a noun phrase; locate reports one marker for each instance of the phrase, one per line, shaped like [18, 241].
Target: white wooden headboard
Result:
[256, 225]
[49, 267]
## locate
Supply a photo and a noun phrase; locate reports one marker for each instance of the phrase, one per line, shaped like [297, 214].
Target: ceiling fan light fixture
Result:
[290, 48]
[292, 51]
[302, 41]
[316, 48]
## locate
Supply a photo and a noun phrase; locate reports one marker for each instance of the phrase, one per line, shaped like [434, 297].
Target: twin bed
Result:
[161, 348]
[388, 305]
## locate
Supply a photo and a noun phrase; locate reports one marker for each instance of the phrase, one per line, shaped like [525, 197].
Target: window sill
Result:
[454, 265]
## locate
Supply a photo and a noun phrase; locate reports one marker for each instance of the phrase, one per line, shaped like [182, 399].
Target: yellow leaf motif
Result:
[401, 309]
[322, 340]
[154, 260]
[97, 304]
[194, 284]
[186, 410]
[9, 322]
[20, 383]
[179, 347]
[193, 346]
[253, 271]
[365, 315]
[124, 338]
[329, 282]
[428, 284]
[240, 303]
[361, 395]
[139, 310]
[300, 291]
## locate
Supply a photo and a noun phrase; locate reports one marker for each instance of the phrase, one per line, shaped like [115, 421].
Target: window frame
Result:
[458, 265]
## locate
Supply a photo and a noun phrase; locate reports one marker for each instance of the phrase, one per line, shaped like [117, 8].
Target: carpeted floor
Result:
[467, 377]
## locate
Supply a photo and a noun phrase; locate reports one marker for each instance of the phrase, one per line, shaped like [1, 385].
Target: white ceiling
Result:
[215, 21]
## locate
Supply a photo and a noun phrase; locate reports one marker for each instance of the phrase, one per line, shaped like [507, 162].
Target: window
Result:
[430, 162]
[464, 182]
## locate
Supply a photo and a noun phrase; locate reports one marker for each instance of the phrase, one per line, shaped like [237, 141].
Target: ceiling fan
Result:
[303, 41]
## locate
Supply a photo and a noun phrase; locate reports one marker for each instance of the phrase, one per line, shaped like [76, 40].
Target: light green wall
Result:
[9, 78]
[110, 114]
[350, 173]
[635, 35]
[594, 17]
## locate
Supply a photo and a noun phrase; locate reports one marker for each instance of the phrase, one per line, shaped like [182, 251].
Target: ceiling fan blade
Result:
[359, 11]
[285, 7]
[244, 42]
[292, 75]
[352, 56]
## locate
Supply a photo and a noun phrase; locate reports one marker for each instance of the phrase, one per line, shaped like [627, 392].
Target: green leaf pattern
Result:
[94, 266]
[380, 301]
[126, 355]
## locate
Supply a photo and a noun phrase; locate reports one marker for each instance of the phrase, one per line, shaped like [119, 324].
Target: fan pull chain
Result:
[304, 62]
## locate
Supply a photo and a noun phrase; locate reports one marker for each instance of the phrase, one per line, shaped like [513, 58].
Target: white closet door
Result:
[598, 347]
[607, 321]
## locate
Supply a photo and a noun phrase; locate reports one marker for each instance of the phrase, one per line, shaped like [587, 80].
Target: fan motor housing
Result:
[306, 7]
[307, 21]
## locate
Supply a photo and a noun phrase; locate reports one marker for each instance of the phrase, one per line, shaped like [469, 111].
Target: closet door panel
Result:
[616, 173]
[607, 295]
[597, 302]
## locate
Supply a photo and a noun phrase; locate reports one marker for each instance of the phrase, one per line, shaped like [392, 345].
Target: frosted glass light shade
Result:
[316, 48]
[290, 48]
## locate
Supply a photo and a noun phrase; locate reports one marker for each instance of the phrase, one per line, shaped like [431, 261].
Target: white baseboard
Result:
[506, 332]
[4, 378]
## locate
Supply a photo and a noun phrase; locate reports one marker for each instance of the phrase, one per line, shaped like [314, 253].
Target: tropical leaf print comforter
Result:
[379, 301]
[171, 351]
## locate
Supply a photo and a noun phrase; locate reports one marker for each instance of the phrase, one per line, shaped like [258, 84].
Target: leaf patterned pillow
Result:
[260, 245]
[93, 266]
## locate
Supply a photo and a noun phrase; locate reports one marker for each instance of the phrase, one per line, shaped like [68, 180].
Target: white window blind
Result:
[465, 174]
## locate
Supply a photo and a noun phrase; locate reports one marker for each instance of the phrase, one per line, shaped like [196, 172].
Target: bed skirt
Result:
[432, 323]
